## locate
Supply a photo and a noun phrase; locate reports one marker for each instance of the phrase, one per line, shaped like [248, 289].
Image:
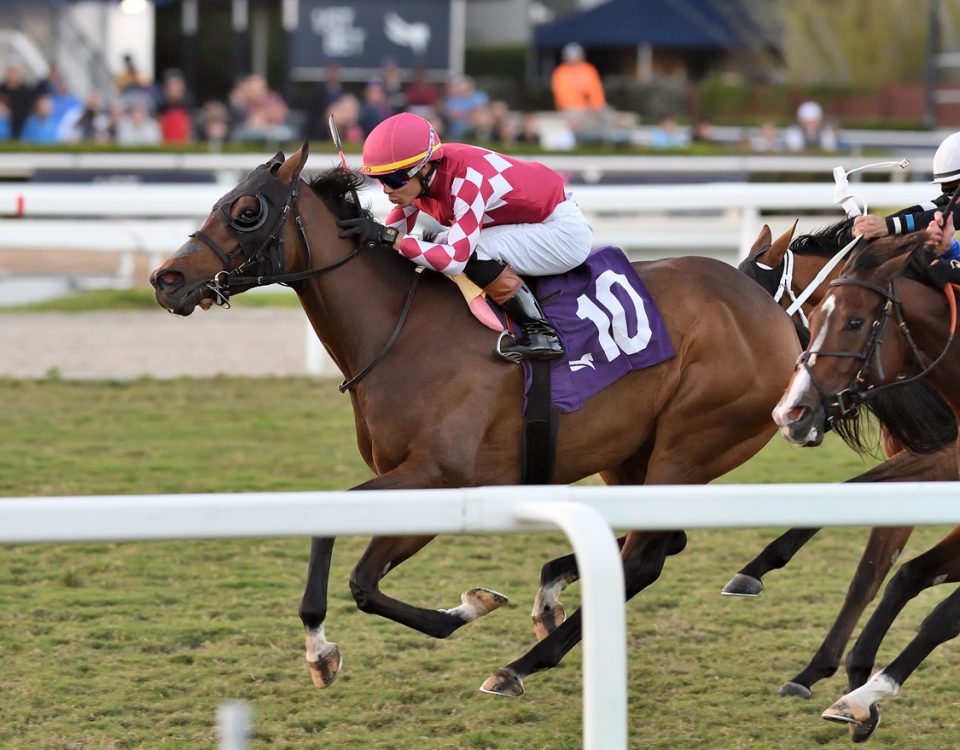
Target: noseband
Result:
[845, 403]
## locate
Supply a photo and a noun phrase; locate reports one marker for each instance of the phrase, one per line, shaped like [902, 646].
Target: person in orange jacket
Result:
[575, 83]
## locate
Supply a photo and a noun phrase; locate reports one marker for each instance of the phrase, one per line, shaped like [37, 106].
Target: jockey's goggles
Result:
[401, 177]
[397, 179]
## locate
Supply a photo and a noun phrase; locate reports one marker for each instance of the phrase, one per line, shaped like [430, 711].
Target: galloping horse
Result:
[880, 324]
[435, 408]
[919, 433]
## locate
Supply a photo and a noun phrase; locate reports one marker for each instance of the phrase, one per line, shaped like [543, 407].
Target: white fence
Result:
[715, 218]
[586, 514]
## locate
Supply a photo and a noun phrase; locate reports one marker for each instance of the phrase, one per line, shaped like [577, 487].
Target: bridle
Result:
[259, 248]
[261, 252]
[846, 402]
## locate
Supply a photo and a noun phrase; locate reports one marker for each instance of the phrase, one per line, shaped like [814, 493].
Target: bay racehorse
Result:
[881, 323]
[918, 433]
[434, 407]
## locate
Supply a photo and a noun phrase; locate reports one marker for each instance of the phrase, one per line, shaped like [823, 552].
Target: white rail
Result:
[156, 218]
[585, 514]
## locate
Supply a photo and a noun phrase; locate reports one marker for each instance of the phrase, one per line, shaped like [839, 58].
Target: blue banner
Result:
[363, 33]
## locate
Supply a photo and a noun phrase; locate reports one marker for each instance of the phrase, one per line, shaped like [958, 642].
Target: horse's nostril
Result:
[167, 279]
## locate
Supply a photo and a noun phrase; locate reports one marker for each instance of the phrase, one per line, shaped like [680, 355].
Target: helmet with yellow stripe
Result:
[401, 144]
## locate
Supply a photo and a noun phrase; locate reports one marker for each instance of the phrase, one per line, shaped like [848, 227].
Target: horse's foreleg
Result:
[322, 655]
[749, 581]
[859, 707]
[940, 564]
[643, 556]
[883, 547]
[555, 576]
[385, 553]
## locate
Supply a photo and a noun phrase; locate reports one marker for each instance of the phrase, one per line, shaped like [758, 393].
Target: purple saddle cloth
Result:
[608, 323]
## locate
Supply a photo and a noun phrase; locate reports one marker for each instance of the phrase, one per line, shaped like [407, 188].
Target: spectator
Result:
[529, 131]
[393, 84]
[766, 138]
[346, 113]
[20, 96]
[42, 126]
[93, 124]
[462, 99]
[423, 98]
[575, 83]
[809, 131]
[6, 126]
[214, 122]
[67, 108]
[175, 109]
[668, 134]
[322, 98]
[261, 112]
[130, 80]
[702, 131]
[137, 127]
[375, 108]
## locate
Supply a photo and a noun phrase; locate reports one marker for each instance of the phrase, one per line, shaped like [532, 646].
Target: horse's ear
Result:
[893, 267]
[774, 256]
[290, 169]
[763, 239]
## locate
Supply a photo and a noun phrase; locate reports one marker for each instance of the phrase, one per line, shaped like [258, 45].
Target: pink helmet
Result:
[402, 142]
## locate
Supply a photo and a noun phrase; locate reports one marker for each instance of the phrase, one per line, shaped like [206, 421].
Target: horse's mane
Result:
[824, 242]
[875, 253]
[336, 187]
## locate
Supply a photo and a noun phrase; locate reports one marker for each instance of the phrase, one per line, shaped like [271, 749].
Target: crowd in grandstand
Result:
[143, 112]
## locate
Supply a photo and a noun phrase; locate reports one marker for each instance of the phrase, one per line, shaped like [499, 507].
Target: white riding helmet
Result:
[946, 162]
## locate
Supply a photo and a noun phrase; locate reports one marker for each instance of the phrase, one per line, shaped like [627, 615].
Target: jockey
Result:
[940, 235]
[946, 172]
[504, 216]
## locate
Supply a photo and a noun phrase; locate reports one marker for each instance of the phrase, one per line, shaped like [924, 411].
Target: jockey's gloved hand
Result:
[367, 231]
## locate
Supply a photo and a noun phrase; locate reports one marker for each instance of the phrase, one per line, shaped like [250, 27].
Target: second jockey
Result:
[503, 217]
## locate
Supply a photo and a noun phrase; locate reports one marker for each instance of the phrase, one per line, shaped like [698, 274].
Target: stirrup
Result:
[514, 357]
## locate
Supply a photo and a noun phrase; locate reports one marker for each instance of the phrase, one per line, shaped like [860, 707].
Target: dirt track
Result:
[111, 345]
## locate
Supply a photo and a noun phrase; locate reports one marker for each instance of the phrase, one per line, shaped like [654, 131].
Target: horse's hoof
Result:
[548, 620]
[504, 682]
[845, 712]
[324, 670]
[742, 585]
[482, 601]
[862, 732]
[795, 690]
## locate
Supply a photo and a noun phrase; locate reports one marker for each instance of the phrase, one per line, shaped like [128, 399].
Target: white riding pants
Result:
[561, 242]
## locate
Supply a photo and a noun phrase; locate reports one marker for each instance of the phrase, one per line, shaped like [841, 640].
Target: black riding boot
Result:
[538, 339]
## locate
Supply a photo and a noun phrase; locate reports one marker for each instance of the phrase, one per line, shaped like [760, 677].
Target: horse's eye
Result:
[248, 216]
[854, 323]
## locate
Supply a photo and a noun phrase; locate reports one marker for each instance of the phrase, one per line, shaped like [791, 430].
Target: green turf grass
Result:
[134, 645]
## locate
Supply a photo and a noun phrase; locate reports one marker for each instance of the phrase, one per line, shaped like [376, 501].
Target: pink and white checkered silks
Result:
[502, 208]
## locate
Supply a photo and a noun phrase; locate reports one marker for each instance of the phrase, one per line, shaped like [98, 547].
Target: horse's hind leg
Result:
[323, 657]
[385, 553]
[555, 576]
[643, 555]
[749, 580]
[883, 548]
[859, 707]
[940, 564]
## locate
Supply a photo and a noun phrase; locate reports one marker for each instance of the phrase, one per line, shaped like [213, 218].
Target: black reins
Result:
[269, 255]
[853, 393]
